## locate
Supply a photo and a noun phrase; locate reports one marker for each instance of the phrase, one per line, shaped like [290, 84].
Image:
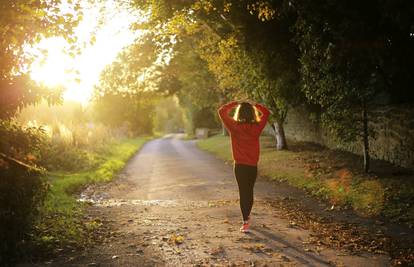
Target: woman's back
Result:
[244, 135]
[245, 130]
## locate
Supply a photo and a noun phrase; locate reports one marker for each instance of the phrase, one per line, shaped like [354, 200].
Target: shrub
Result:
[22, 191]
[73, 148]
[65, 157]
[22, 143]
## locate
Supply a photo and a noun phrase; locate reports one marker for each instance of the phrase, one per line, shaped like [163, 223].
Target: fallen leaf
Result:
[176, 239]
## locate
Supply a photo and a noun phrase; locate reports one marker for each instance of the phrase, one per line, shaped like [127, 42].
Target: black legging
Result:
[246, 177]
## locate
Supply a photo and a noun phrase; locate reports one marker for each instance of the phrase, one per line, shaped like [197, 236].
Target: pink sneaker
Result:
[245, 227]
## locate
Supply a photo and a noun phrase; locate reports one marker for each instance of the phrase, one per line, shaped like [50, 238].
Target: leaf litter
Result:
[351, 237]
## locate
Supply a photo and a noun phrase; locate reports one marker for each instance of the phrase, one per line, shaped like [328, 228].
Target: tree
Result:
[349, 56]
[188, 77]
[24, 23]
[134, 112]
[258, 56]
[247, 45]
[124, 95]
[342, 54]
[169, 117]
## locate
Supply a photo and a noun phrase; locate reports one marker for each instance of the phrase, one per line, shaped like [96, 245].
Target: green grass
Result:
[218, 145]
[61, 221]
[189, 137]
[331, 175]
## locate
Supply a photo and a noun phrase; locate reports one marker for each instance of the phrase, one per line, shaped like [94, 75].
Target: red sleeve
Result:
[223, 112]
[265, 115]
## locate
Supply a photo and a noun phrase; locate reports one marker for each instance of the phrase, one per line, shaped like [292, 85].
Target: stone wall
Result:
[394, 127]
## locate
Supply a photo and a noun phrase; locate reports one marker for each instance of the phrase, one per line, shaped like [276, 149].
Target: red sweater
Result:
[244, 136]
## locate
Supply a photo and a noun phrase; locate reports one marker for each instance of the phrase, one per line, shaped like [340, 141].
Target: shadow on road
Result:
[291, 249]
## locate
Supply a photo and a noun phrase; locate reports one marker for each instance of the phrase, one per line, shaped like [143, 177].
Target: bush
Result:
[73, 148]
[22, 143]
[22, 191]
[65, 157]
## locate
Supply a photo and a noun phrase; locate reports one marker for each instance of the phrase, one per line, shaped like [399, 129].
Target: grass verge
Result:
[333, 175]
[61, 224]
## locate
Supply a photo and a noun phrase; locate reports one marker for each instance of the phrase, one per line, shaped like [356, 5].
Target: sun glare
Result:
[54, 69]
[80, 73]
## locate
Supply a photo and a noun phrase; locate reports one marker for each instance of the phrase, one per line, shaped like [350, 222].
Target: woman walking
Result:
[245, 128]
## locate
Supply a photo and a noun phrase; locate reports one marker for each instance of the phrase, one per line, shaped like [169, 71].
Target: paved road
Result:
[174, 205]
[172, 169]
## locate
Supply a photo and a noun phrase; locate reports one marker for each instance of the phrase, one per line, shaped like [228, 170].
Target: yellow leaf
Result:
[179, 240]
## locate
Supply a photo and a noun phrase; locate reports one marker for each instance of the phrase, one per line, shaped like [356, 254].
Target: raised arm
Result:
[223, 112]
[265, 115]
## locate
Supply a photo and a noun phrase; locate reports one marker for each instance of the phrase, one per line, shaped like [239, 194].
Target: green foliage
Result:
[67, 127]
[24, 23]
[244, 48]
[198, 85]
[23, 143]
[193, 84]
[133, 112]
[345, 56]
[169, 117]
[22, 91]
[348, 55]
[256, 56]
[205, 118]
[218, 145]
[338, 76]
[23, 187]
[125, 96]
[63, 139]
[61, 221]
[130, 72]
[348, 58]
[66, 157]
[22, 192]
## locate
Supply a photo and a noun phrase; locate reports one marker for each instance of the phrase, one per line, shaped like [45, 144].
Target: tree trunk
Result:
[189, 124]
[224, 130]
[365, 138]
[281, 143]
